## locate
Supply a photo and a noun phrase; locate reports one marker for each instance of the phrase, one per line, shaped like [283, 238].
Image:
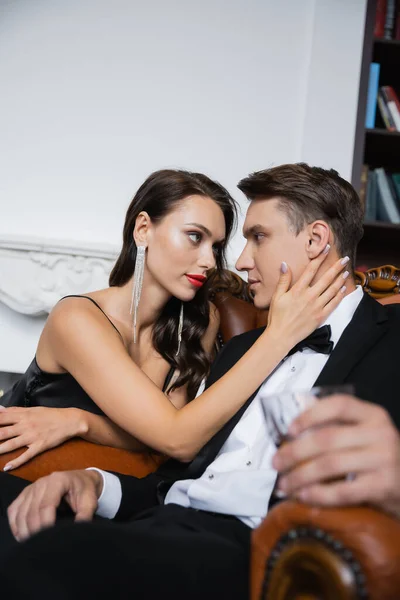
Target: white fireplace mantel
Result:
[36, 273]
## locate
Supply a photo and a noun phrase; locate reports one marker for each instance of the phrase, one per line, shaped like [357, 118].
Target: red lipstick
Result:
[196, 280]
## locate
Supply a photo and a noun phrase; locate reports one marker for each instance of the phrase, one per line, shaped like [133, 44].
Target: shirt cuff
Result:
[111, 495]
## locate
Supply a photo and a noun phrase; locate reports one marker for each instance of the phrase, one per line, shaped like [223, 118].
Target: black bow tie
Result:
[319, 341]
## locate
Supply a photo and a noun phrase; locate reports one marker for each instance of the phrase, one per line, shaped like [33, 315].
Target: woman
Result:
[104, 360]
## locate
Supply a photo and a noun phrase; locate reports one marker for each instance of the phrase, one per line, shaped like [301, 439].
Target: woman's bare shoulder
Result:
[80, 313]
[72, 321]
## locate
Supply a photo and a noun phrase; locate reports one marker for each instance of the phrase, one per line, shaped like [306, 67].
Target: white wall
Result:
[19, 335]
[331, 97]
[96, 94]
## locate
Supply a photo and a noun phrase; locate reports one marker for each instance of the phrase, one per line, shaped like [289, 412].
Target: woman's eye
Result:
[195, 237]
[258, 237]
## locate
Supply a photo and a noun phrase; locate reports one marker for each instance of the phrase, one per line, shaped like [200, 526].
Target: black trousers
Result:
[167, 551]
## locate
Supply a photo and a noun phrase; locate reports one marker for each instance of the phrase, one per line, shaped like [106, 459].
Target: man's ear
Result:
[142, 228]
[318, 236]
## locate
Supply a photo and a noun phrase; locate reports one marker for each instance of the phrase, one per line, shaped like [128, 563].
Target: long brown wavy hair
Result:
[158, 196]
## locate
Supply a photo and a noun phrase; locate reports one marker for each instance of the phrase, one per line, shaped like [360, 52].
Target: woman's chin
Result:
[185, 295]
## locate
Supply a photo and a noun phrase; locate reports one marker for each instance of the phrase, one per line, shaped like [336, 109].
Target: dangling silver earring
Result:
[180, 327]
[137, 285]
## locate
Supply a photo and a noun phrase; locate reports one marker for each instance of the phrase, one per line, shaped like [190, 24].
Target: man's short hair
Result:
[307, 194]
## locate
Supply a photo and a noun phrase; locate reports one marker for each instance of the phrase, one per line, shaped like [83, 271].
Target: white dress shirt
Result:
[241, 479]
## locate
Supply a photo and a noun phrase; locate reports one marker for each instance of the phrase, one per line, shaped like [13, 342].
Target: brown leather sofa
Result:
[299, 552]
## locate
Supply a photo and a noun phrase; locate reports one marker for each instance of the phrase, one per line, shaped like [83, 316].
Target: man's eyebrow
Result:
[253, 229]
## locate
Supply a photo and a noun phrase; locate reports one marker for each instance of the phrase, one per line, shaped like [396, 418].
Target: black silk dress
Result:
[55, 390]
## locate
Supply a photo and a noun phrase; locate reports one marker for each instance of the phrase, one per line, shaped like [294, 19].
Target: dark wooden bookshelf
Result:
[377, 147]
[382, 148]
[380, 131]
[389, 43]
[380, 245]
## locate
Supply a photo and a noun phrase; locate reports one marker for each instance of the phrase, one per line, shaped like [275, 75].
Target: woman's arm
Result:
[101, 430]
[41, 428]
[96, 358]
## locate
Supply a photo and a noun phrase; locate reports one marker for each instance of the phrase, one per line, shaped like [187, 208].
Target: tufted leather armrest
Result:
[331, 554]
[380, 281]
[79, 454]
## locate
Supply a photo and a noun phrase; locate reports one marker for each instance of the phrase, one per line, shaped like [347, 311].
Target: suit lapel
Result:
[368, 325]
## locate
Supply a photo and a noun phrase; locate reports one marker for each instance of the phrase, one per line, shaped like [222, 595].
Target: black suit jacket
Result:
[367, 355]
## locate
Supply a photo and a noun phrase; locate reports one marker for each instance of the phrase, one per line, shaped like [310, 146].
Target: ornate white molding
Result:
[36, 273]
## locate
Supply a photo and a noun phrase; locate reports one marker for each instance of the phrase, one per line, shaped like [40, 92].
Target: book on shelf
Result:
[397, 30]
[392, 104]
[394, 182]
[382, 200]
[380, 17]
[390, 20]
[388, 105]
[387, 20]
[373, 85]
[385, 113]
[386, 205]
[370, 213]
[392, 96]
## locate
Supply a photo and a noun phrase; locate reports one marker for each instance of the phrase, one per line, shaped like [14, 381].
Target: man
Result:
[184, 531]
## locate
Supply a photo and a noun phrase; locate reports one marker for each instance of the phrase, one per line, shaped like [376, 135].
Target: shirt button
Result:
[211, 476]
[248, 463]
[293, 369]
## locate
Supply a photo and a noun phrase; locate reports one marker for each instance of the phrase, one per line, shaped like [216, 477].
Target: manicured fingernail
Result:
[284, 267]
[301, 495]
[343, 289]
[345, 275]
[344, 260]
[8, 467]
[281, 488]
[2, 407]
[280, 493]
[326, 249]
[276, 463]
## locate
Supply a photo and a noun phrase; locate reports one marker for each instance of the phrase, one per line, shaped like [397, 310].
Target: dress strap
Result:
[98, 306]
